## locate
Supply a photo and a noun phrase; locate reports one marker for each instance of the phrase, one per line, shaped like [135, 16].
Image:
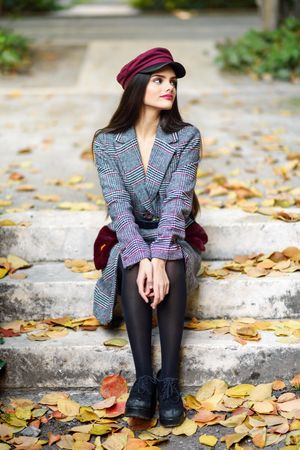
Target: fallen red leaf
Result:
[242, 409]
[113, 385]
[115, 410]
[35, 423]
[58, 415]
[53, 438]
[8, 333]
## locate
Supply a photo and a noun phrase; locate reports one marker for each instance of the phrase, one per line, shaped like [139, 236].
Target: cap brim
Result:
[178, 68]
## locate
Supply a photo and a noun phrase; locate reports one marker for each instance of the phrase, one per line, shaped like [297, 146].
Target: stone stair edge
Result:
[81, 359]
[53, 290]
[206, 216]
[191, 337]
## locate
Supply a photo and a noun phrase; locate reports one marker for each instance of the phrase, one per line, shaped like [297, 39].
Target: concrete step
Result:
[56, 235]
[96, 10]
[52, 290]
[80, 359]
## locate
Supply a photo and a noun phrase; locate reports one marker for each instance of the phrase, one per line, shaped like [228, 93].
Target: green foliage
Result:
[170, 5]
[275, 53]
[21, 6]
[2, 364]
[14, 52]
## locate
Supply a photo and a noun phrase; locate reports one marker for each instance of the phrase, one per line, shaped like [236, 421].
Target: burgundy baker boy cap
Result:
[147, 62]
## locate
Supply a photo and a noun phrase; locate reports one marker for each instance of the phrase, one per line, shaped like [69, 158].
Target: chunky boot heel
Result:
[141, 402]
[171, 409]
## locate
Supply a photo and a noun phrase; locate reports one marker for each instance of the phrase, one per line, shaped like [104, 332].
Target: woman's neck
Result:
[146, 126]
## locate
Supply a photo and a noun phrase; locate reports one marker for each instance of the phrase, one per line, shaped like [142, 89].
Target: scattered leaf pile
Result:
[83, 266]
[248, 411]
[247, 329]
[271, 191]
[276, 187]
[48, 328]
[258, 265]
[242, 329]
[10, 264]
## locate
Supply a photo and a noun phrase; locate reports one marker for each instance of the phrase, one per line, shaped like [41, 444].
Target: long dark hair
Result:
[128, 111]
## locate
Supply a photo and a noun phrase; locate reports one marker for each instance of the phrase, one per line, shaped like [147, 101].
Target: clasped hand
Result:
[153, 282]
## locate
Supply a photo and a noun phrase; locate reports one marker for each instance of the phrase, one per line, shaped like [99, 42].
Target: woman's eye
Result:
[173, 82]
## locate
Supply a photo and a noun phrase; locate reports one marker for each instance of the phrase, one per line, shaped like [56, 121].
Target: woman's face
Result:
[161, 89]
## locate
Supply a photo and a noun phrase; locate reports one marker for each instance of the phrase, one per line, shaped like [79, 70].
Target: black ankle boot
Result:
[171, 409]
[141, 402]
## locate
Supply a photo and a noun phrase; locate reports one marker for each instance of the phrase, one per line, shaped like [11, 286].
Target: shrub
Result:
[21, 6]
[15, 55]
[273, 53]
[169, 5]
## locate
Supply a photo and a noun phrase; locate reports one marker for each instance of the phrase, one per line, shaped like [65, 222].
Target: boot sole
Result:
[174, 422]
[139, 413]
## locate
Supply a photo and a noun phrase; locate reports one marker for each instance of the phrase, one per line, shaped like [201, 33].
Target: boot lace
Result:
[143, 384]
[169, 389]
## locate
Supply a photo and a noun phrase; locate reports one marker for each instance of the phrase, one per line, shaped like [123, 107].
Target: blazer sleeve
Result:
[177, 205]
[133, 246]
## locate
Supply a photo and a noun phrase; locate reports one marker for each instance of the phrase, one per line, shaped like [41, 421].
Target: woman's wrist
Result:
[158, 262]
[144, 259]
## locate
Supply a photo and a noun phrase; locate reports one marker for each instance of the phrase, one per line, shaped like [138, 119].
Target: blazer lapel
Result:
[163, 149]
[128, 152]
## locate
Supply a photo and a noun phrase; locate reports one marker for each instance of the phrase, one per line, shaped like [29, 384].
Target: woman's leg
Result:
[138, 319]
[170, 315]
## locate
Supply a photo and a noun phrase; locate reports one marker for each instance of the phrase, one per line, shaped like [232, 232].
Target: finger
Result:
[142, 294]
[167, 290]
[155, 298]
[149, 284]
[158, 298]
[148, 290]
[142, 289]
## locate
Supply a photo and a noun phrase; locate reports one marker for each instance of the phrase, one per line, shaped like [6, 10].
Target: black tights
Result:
[138, 318]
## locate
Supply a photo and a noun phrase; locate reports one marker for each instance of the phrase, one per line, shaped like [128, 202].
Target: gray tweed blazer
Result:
[163, 193]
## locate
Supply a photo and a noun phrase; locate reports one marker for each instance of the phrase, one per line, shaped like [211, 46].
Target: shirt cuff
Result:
[173, 252]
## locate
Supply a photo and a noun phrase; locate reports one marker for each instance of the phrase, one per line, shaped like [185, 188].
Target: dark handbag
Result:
[195, 235]
[103, 244]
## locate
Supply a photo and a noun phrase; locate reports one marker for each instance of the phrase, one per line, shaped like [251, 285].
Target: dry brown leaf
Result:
[207, 439]
[296, 380]
[277, 385]
[190, 402]
[17, 263]
[107, 403]
[289, 405]
[116, 441]
[204, 416]
[234, 420]
[255, 272]
[286, 397]
[263, 407]
[261, 392]
[259, 438]
[232, 438]
[47, 198]
[188, 428]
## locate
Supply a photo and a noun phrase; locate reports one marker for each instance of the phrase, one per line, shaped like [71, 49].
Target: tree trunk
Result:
[269, 11]
[273, 12]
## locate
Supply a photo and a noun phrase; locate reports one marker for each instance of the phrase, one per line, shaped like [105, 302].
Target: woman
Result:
[147, 160]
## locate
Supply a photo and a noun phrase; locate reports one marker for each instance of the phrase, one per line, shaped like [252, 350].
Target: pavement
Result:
[47, 121]
[71, 91]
